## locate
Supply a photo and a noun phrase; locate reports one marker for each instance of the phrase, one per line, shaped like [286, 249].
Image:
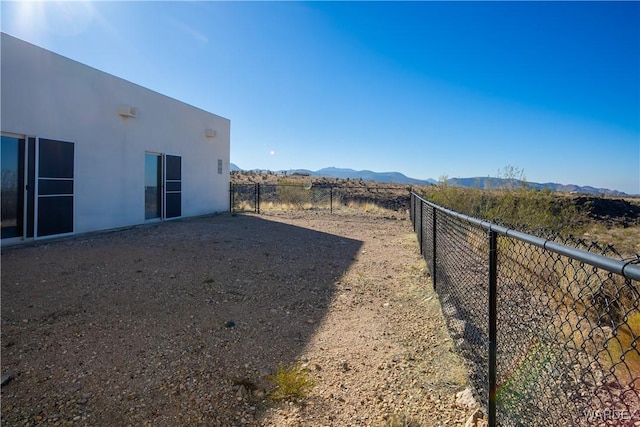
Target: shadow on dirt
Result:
[175, 323]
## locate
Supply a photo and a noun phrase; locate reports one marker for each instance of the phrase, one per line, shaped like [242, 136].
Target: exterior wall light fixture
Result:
[127, 111]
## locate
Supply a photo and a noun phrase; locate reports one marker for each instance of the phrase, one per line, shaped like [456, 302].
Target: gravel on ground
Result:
[183, 322]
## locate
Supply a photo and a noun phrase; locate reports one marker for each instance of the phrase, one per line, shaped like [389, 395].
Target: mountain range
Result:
[473, 182]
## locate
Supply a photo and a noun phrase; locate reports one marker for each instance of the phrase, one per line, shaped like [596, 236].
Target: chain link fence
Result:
[304, 196]
[550, 330]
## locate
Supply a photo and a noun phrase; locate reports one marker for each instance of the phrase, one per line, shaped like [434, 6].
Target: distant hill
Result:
[474, 182]
[491, 183]
[367, 175]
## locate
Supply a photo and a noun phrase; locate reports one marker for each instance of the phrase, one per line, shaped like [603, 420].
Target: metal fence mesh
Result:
[567, 332]
[284, 196]
[461, 282]
[307, 195]
[244, 197]
[533, 378]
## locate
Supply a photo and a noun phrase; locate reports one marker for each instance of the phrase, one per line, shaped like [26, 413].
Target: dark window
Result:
[55, 215]
[174, 205]
[49, 187]
[174, 169]
[56, 159]
[174, 186]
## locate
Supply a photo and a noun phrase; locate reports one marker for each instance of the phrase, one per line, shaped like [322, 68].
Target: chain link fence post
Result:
[421, 228]
[493, 314]
[257, 198]
[331, 199]
[433, 252]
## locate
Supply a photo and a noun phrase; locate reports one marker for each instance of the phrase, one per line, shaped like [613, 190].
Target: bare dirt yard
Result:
[182, 323]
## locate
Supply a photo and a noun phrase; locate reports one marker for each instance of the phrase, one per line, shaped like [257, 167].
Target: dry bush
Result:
[622, 355]
[595, 293]
[401, 420]
[284, 207]
[244, 206]
[291, 193]
[595, 312]
[291, 382]
[520, 208]
[625, 239]
[368, 207]
[524, 375]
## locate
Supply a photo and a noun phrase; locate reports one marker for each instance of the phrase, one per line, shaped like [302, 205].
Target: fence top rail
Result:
[625, 268]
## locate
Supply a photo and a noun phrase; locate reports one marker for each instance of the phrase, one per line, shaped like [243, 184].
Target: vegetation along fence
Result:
[551, 333]
[264, 197]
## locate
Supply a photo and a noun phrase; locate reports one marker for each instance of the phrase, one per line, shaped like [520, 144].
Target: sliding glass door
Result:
[162, 186]
[152, 186]
[12, 196]
[173, 186]
[55, 187]
[37, 196]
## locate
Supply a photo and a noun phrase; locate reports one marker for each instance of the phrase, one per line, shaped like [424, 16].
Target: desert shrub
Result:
[525, 374]
[623, 355]
[514, 204]
[532, 210]
[469, 201]
[401, 420]
[293, 193]
[292, 382]
[244, 206]
[368, 207]
[625, 239]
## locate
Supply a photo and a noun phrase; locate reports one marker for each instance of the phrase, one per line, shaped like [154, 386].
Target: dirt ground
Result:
[181, 323]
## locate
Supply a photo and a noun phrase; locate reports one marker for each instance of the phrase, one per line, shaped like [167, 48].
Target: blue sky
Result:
[424, 88]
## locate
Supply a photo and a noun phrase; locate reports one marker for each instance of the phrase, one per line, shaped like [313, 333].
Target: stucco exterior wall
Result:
[49, 96]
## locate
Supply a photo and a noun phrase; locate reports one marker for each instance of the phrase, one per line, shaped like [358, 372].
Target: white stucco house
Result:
[83, 150]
